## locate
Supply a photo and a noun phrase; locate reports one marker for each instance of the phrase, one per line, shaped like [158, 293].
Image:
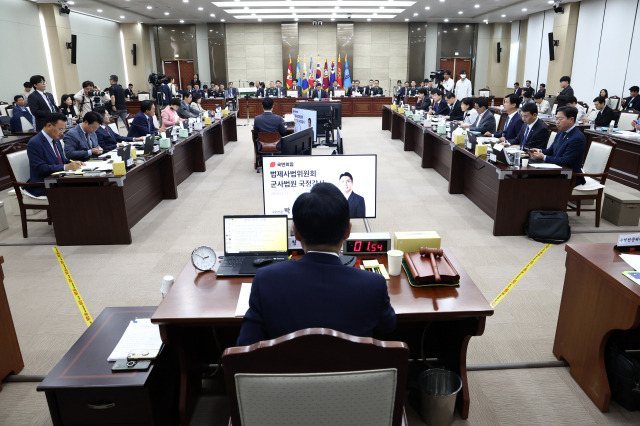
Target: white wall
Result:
[202, 47]
[99, 52]
[535, 39]
[482, 57]
[514, 52]
[22, 48]
[605, 40]
[431, 49]
[544, 47]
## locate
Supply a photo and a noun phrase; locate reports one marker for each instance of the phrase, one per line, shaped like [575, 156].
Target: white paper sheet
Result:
[544, 166]
[140, 334]
[632, 260]
[243, 299]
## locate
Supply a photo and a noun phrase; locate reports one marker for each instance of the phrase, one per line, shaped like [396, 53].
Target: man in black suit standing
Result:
[232, 94]
[41, 103]
[318, 92]
[605, 113]
[633, 101]
[517, 90]
[357, 206]
[567, 90]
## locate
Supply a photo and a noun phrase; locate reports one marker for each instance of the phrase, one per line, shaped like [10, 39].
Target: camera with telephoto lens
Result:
[437, 76]
[95, 93]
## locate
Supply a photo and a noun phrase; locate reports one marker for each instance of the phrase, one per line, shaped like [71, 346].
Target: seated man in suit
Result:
[533, 132]
[605, 113]
[633, 101]
[377, 90]
[268, 121]
[296, 87]
[81, 142]
[334, 87]
[542, 103]
[403, 93]
[368, 91]
[582, 113]
[188, 90]
[318, 92]
[20, 111]
[280, 92]
[272, 91]
[514, 121]
[486, 122]
[185, 110]
[568, 148]
[424, 101]
[357, 206]
[527, 97]
[45, 152]
[542, 90]
[355, 89]
[440, 106]
[107, 138]
[232, 94]
[455, 106]
[41, 103]
[317, 290]
[412, 90]
[142, 123]
[128, 92]
[197, 91]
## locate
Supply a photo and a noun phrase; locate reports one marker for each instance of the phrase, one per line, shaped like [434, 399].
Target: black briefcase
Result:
[548, 226]
[623, 372]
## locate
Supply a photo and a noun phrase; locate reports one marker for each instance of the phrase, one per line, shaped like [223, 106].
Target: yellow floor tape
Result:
[514, 281]
[74, 290]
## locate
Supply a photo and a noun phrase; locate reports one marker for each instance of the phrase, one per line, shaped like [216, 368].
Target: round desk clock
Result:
[203, 258]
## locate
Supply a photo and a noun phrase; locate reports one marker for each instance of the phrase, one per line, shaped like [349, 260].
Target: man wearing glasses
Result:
[568, 148]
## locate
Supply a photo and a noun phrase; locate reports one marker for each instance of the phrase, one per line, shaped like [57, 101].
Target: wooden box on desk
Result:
[82, 390]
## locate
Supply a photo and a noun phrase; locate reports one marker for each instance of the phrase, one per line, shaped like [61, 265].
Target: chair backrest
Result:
[552, 137]
[614, 102]
[114, 127]
[19, 166]
[26, 124]
[624, 122]
[554, 109]
[268, 137]
[593, 114]
[10, 112]
[599, 157]
[317, 351]
[3, 109]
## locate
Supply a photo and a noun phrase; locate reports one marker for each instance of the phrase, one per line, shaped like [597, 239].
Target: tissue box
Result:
[481, 150]
[165, 143]
[134, 154]
[119, 169]
[183, 133]
[412, 241]
[207, 121]
[394, 107]
[401, 110]
[459, 140]
[225, 112]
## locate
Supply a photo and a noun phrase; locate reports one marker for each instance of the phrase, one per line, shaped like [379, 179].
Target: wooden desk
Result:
[118, 203]
[82, 389]
[198, 301]
[625, 166]
[351, 107]
[596, 300]
[397, 125]
[10, 356]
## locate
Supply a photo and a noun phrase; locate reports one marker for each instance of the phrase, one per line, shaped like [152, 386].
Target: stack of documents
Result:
[140, 334]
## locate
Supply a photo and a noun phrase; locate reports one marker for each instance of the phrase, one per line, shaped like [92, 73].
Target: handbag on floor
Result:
[548, 226]
[623, 372]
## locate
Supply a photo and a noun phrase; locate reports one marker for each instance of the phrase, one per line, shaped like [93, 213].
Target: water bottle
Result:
[492, 101]
[516, 159]
[611, 125]
[592, 125]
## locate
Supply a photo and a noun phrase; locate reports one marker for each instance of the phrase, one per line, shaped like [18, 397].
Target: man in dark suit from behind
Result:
[41, 102]
[605, 113]
[268, 121]
[45, 152]
[533, 133]
[568, 148]
[317, 290]
[566, 92]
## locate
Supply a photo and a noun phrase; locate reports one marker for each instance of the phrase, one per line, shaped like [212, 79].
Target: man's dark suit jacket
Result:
[319, 94]
[316, 291]
[512, 128]
[564, 95]
[456, 113]
[424, 104]
[357, 207]
[260, 92]
[353, 89]
[629, 104]
[141, 126]
[368, 90]
[43, 160]
[543, 91]
[538, 137]
[377, 91]
[129, 92]
[485, 124]
[518, 92]
[568, 151]
[40, 108]
[108, 139]
[76, 144]
[269, 122]
[15, 125]
[605, 117]
[441, 108]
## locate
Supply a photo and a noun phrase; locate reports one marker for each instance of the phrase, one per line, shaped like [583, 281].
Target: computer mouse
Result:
[262, 261]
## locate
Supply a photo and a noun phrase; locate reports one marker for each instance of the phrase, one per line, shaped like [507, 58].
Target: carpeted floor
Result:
[409, 198]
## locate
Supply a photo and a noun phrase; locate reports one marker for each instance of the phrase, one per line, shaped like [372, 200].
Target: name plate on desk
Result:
[129, 162]
[628, 240]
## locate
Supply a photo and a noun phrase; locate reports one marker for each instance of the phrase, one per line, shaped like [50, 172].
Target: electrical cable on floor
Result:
[52, 243]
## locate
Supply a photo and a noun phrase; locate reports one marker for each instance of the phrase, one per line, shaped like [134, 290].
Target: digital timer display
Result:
[367, 246]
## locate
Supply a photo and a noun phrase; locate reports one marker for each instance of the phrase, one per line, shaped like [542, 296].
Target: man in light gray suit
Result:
[81, 142]
[185, 109]
[486, 122]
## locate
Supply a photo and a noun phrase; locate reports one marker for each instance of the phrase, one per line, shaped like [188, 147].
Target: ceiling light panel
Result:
[316, 16]
[313, 3]
[313, 10]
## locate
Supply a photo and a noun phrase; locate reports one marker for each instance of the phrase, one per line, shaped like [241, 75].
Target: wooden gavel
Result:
[432, 253]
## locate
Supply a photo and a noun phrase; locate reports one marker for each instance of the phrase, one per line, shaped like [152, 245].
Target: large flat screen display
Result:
[285, 178]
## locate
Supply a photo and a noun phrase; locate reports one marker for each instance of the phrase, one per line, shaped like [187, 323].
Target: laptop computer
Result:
[250, 238]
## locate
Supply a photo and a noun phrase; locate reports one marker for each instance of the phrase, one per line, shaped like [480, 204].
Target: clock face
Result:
[203, 258]
[367, 246]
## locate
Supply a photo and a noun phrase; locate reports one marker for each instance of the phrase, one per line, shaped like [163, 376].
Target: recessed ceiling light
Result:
[368, 19]
[441, 1]
[99, 10]
[247, 8]
[296, 19]
[201, 8]
[427, 8]
[182, 21]
[524, 9]
[213, 15]
[477, 6]
[71, 3]
[173, 31]
[291, 8]
[551, 1]
[149, 7]
[121, 16]
[253, 14]
[185, 1]
[446, 20]
[177, 56]
[467, 26]
[445, 31]
[259, 19]
[222, 20]
[166, 14]
[455, 29]
[415, 14]
[406, 19]
[460, 12]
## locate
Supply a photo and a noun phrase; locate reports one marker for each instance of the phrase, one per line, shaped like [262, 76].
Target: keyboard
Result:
[232, 261]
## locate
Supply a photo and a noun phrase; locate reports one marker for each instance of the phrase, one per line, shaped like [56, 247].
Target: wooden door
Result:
[171, 69]
[463, 64]
[448, 64]
[187, 70]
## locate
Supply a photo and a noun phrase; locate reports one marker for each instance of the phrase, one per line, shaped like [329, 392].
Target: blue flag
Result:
[347, 75]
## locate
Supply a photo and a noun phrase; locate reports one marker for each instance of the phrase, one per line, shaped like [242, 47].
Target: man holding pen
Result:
[45, 153]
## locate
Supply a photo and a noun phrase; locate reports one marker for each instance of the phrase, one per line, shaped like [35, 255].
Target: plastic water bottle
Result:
[493, 102]
[516, 159]
[611, 125]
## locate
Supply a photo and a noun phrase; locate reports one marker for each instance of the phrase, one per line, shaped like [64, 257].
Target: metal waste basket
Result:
[439, 389]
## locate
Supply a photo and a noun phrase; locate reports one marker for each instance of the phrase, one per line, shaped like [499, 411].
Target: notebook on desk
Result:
[248, 238]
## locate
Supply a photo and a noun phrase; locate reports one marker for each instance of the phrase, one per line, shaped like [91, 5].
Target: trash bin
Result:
[439, 389]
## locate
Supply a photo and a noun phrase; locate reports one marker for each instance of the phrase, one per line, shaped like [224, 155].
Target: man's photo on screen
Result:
[356, 202]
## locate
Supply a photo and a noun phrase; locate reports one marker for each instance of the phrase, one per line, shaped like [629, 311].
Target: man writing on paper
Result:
[317, 290]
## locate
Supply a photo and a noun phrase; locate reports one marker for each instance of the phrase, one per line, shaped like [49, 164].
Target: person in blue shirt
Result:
[20, 110]
[142, 123]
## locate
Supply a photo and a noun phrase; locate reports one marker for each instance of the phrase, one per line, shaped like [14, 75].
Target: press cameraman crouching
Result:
[89, 97]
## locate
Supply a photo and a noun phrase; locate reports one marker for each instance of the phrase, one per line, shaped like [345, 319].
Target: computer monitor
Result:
[298, 143]
[327, 111]
[305, 119]
[285, 178]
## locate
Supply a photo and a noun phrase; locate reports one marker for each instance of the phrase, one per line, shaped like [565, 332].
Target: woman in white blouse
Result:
[470, 113]
[196, 105]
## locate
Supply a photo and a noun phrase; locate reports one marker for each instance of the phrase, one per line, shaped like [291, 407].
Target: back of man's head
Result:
[267, 104]
[321, 216]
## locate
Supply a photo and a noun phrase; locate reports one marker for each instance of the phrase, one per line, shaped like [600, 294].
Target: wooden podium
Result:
[10, 357]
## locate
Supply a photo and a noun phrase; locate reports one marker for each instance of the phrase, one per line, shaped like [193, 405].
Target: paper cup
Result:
[167, 282]
[394, 260]
[525, 163]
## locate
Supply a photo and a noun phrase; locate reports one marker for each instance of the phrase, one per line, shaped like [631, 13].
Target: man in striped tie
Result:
[41, 103]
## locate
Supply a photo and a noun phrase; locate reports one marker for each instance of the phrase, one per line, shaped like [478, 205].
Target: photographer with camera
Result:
[89, 97]
[118, 105]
